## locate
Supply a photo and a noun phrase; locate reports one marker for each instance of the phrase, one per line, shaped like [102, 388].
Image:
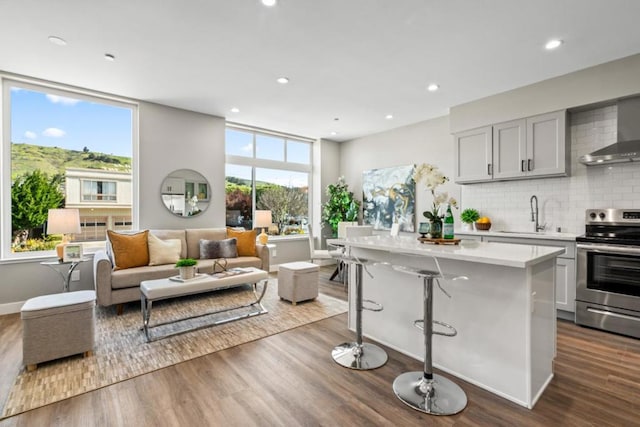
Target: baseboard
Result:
[10, 308]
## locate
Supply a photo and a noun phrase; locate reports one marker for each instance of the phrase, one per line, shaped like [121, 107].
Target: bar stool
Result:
[426, 391]
[359, 355]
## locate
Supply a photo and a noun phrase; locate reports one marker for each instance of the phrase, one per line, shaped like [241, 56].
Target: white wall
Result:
[172, 139]
[326, 170]
[603, 82]
[424, 142]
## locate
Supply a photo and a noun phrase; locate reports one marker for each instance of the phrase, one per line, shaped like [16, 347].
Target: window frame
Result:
[254, 162]
[8, 81]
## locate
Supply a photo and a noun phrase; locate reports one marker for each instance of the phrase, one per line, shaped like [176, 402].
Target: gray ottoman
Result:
[298, 281]
[57, 325]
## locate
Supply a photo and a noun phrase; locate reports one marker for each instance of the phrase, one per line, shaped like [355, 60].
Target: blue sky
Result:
[54, 121]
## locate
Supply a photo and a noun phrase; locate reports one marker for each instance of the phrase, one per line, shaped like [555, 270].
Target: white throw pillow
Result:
[163, 251]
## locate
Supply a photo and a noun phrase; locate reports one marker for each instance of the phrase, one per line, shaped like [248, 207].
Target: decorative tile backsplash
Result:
[563, 201]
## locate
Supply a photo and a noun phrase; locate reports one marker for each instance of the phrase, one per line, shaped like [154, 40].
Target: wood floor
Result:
[289, 379]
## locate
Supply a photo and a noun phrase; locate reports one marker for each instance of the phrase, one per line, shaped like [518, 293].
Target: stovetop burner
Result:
[612, 226]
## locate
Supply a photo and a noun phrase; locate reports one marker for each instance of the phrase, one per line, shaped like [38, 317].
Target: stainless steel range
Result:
[608, 271]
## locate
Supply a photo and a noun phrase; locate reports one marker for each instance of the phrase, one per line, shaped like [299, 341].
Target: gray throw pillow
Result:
[211, 249]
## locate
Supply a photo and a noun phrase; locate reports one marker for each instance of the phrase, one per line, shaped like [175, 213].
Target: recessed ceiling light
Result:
[552, 44]
[109, 57]
[283, 80]
[269, 2]
[433, 87]
[389, 116]
[334, 133]
[57, 40]
[235, 110]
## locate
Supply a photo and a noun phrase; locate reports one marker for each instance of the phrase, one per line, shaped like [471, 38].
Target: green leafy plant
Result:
[186, 262]
[341, 206]
[469, 216]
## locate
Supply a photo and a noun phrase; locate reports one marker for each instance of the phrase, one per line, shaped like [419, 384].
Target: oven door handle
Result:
[612, 314]
[609, 248]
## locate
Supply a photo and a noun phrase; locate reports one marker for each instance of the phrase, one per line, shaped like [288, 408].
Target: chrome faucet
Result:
[534, 215]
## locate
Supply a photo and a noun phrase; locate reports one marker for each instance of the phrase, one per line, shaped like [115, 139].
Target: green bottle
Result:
[447, 229]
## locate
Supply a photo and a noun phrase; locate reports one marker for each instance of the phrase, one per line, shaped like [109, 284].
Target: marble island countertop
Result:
[504, 254]
[546, 235]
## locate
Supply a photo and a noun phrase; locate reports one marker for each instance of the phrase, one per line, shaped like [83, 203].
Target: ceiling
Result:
[350, 62]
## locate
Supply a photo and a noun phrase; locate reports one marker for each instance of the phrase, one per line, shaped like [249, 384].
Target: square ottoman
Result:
[57, 325]
[298, 281]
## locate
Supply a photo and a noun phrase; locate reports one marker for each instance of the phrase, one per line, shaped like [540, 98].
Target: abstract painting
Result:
[388, 197]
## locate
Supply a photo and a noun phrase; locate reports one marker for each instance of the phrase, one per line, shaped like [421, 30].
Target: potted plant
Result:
[187, 267]
[341, 205]
[468, 217]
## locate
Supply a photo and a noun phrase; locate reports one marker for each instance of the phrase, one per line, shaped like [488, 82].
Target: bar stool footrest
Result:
[453, 332]
[439, 396]
[377, 305]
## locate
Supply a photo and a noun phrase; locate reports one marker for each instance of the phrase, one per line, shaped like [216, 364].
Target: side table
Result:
[66, 278]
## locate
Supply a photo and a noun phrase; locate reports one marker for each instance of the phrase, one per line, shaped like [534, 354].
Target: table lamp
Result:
[65, 222]
[263, 219]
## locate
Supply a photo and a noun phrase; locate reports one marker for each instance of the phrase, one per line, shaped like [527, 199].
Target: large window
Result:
[267, 172]
[65, 150]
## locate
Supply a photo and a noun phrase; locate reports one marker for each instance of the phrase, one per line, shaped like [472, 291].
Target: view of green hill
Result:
[54, 160]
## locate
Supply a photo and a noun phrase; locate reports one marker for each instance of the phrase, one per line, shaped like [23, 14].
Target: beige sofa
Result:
[120, 286]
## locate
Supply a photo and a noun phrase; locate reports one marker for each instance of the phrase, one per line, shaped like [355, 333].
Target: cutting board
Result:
[439, 241]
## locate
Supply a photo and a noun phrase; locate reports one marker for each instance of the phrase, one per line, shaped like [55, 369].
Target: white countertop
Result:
[504, 254]
[546, 235]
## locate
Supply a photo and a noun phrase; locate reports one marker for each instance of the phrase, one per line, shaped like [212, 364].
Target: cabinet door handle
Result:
[489, 169]
[529, 164]
[522, 166]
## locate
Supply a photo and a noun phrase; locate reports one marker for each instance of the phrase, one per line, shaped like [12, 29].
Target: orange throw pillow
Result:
[129, 250]
[246, 241]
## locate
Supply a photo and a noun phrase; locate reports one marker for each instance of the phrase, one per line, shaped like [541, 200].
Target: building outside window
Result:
[267, 171]
[66, 150]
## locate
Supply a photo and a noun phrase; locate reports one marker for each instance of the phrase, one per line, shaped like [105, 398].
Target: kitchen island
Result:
[504, 313]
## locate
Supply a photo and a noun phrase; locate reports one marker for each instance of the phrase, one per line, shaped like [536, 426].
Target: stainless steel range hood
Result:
[627, 149]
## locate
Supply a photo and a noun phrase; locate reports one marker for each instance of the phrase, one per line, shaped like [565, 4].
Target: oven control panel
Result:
[612, 216]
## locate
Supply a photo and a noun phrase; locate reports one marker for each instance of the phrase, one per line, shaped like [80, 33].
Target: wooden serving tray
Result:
[439, 241]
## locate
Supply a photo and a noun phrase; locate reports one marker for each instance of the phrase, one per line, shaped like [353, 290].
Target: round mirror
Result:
[185, 193]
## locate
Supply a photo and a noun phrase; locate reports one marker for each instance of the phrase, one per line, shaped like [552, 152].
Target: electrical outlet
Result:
[274, 253]
[75, 276]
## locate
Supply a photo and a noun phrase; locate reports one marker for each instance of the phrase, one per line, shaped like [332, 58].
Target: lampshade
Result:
[263, 219]
[63, 221]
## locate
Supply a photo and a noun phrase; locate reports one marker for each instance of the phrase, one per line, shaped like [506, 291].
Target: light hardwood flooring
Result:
[289, 379]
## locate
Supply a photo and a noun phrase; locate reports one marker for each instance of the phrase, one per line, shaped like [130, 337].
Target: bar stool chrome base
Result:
[359, 356]
[439, 396]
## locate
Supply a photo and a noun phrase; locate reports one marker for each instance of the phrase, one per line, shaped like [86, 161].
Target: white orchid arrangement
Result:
[433, 178]
[193, 202]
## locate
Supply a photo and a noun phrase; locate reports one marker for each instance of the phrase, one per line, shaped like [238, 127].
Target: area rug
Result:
[121, 351]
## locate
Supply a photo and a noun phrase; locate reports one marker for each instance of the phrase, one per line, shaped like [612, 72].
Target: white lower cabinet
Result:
[565, 265]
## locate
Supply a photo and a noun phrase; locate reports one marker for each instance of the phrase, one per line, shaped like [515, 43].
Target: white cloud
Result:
[54, 133]
[31, 135]
[62, 100]
[248, 148]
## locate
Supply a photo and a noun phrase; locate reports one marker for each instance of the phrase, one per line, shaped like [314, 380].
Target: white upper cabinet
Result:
[473, 155]
[509, 149]
[525, 148]
[547, 143]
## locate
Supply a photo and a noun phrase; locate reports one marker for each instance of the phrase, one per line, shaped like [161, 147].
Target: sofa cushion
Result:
[225, 248]
[129, 250]
[131, 277]
[173, 234]
[246, 241]
[163, 251]
[193, 236]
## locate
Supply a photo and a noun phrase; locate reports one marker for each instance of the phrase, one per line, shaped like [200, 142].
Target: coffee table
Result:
[159, 289]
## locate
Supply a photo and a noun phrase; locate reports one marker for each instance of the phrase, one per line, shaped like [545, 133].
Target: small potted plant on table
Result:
[187, 267]
[468, 217]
